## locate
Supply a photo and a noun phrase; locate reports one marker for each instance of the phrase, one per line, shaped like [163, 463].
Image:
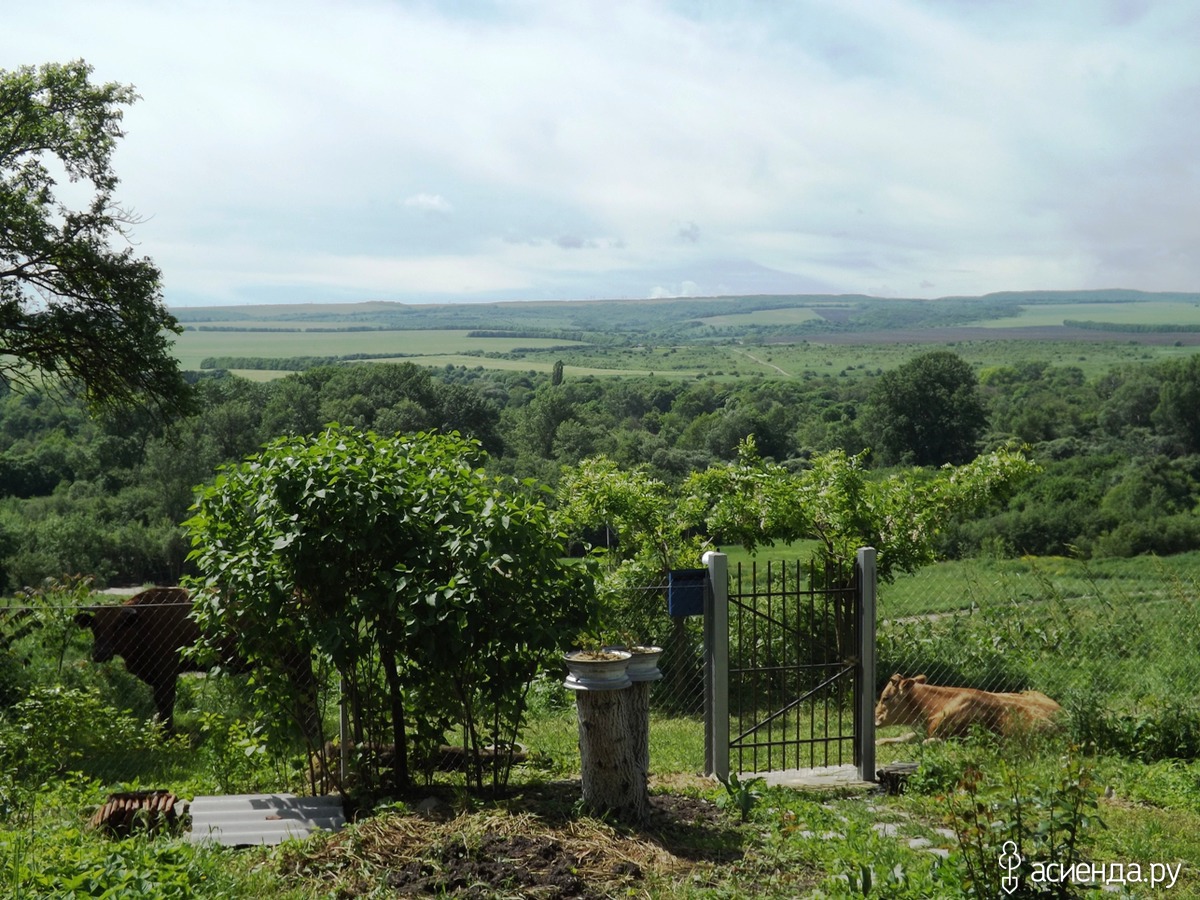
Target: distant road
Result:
[763, 362]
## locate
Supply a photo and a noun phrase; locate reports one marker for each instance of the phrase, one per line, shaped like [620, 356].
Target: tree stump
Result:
[638, 723]
[614, 764]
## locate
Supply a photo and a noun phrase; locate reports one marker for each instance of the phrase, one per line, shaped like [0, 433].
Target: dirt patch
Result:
[530, 845]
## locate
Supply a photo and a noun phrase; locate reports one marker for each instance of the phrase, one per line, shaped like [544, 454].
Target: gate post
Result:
[716, 666]
[864, 734]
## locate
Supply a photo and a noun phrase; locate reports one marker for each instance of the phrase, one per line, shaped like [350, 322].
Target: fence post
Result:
[716, 666]
[864, 734]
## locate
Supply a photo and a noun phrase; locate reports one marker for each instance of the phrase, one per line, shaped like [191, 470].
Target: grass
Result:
[794, 844]
[1122, 631]
[193, 346]
[676, 743]
[961, 584]
[1151, 312]
[650, 339]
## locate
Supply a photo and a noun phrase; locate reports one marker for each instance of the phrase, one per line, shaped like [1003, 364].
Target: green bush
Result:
[435, 590]
[1040, 817]
[58, 729]
[1157, 732]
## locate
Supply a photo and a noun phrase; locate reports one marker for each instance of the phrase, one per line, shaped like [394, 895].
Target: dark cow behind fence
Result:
[149, 632]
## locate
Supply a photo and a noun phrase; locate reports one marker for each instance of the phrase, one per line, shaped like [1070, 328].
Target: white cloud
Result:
[857, 143]
[683, 289]
[434, 203]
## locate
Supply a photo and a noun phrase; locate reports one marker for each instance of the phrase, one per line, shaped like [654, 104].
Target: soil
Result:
[531, 844]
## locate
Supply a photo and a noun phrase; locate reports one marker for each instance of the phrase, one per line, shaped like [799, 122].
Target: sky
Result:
[562, 149]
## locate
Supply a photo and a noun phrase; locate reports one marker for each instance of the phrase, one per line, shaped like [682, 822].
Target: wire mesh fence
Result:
[102, 687]
[642, 615]
[1115, 642]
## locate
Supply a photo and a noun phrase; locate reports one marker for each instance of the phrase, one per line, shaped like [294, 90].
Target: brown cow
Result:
[149, 632]
[953, 711]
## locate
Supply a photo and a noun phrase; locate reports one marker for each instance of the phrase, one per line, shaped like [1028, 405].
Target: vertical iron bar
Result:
[768, 663]
[716, 618]
[864, 732]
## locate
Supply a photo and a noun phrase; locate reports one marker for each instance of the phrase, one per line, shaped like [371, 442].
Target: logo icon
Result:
[1010, 862]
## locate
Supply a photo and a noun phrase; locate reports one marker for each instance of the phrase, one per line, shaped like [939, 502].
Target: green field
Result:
[1154, 312]
[193, 346]
[718, 337]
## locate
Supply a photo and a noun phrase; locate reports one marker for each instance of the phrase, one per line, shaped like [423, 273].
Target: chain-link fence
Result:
[643, 615]
[102, 687]
[83, 678]
[1115, 642]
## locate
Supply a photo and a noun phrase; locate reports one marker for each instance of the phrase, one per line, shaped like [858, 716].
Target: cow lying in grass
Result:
[954, 711]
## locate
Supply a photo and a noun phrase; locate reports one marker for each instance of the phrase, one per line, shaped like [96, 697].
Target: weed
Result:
[1048, 820]
[741, 795]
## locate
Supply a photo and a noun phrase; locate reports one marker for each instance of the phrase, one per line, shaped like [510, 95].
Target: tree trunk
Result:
[637, 711]
[400, 771]
[613, 763]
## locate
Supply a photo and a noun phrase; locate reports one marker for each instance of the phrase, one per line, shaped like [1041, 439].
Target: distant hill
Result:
[706, 318]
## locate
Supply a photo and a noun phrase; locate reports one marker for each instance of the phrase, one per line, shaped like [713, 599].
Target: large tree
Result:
[927, 412]
[75, 302]
[436, 590]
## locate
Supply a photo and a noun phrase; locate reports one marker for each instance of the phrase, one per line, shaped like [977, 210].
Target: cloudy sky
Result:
[474, 150]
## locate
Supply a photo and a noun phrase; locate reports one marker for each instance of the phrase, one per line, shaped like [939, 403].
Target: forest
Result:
[1118, 447]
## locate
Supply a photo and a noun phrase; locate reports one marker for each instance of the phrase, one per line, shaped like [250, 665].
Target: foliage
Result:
[640, 513]
[837, 502]
[1159, 731]
[105, 497]
[49, 854]
[71, 303]
[56, 729]
[1178, 410]
[928, 411]
[236, 755]
[1048, 820]
[741, 795]
[435, 590]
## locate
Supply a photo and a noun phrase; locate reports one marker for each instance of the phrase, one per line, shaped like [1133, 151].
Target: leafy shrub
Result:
[1161, 731]
[1163, 536]
[56, 729]
[236, 756]
[436, 590]
[966, 650]
[1047, 819]
[941, 766]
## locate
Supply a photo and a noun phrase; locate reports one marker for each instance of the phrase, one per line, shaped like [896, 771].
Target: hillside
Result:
[654, 336]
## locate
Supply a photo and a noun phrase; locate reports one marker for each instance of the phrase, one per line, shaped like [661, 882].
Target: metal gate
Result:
[798, 679]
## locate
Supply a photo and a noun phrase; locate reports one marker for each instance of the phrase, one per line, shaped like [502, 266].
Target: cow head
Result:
[106, 623]
[895, 706]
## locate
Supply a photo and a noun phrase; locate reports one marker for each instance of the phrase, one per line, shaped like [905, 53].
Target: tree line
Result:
[1119, 453]
[103, 441]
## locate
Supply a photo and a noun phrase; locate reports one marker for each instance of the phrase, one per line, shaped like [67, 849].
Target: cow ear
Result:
[896, 678]
[919, 678]
[84, 619]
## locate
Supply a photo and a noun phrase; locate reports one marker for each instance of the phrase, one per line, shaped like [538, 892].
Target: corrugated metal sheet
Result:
[249, 819]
